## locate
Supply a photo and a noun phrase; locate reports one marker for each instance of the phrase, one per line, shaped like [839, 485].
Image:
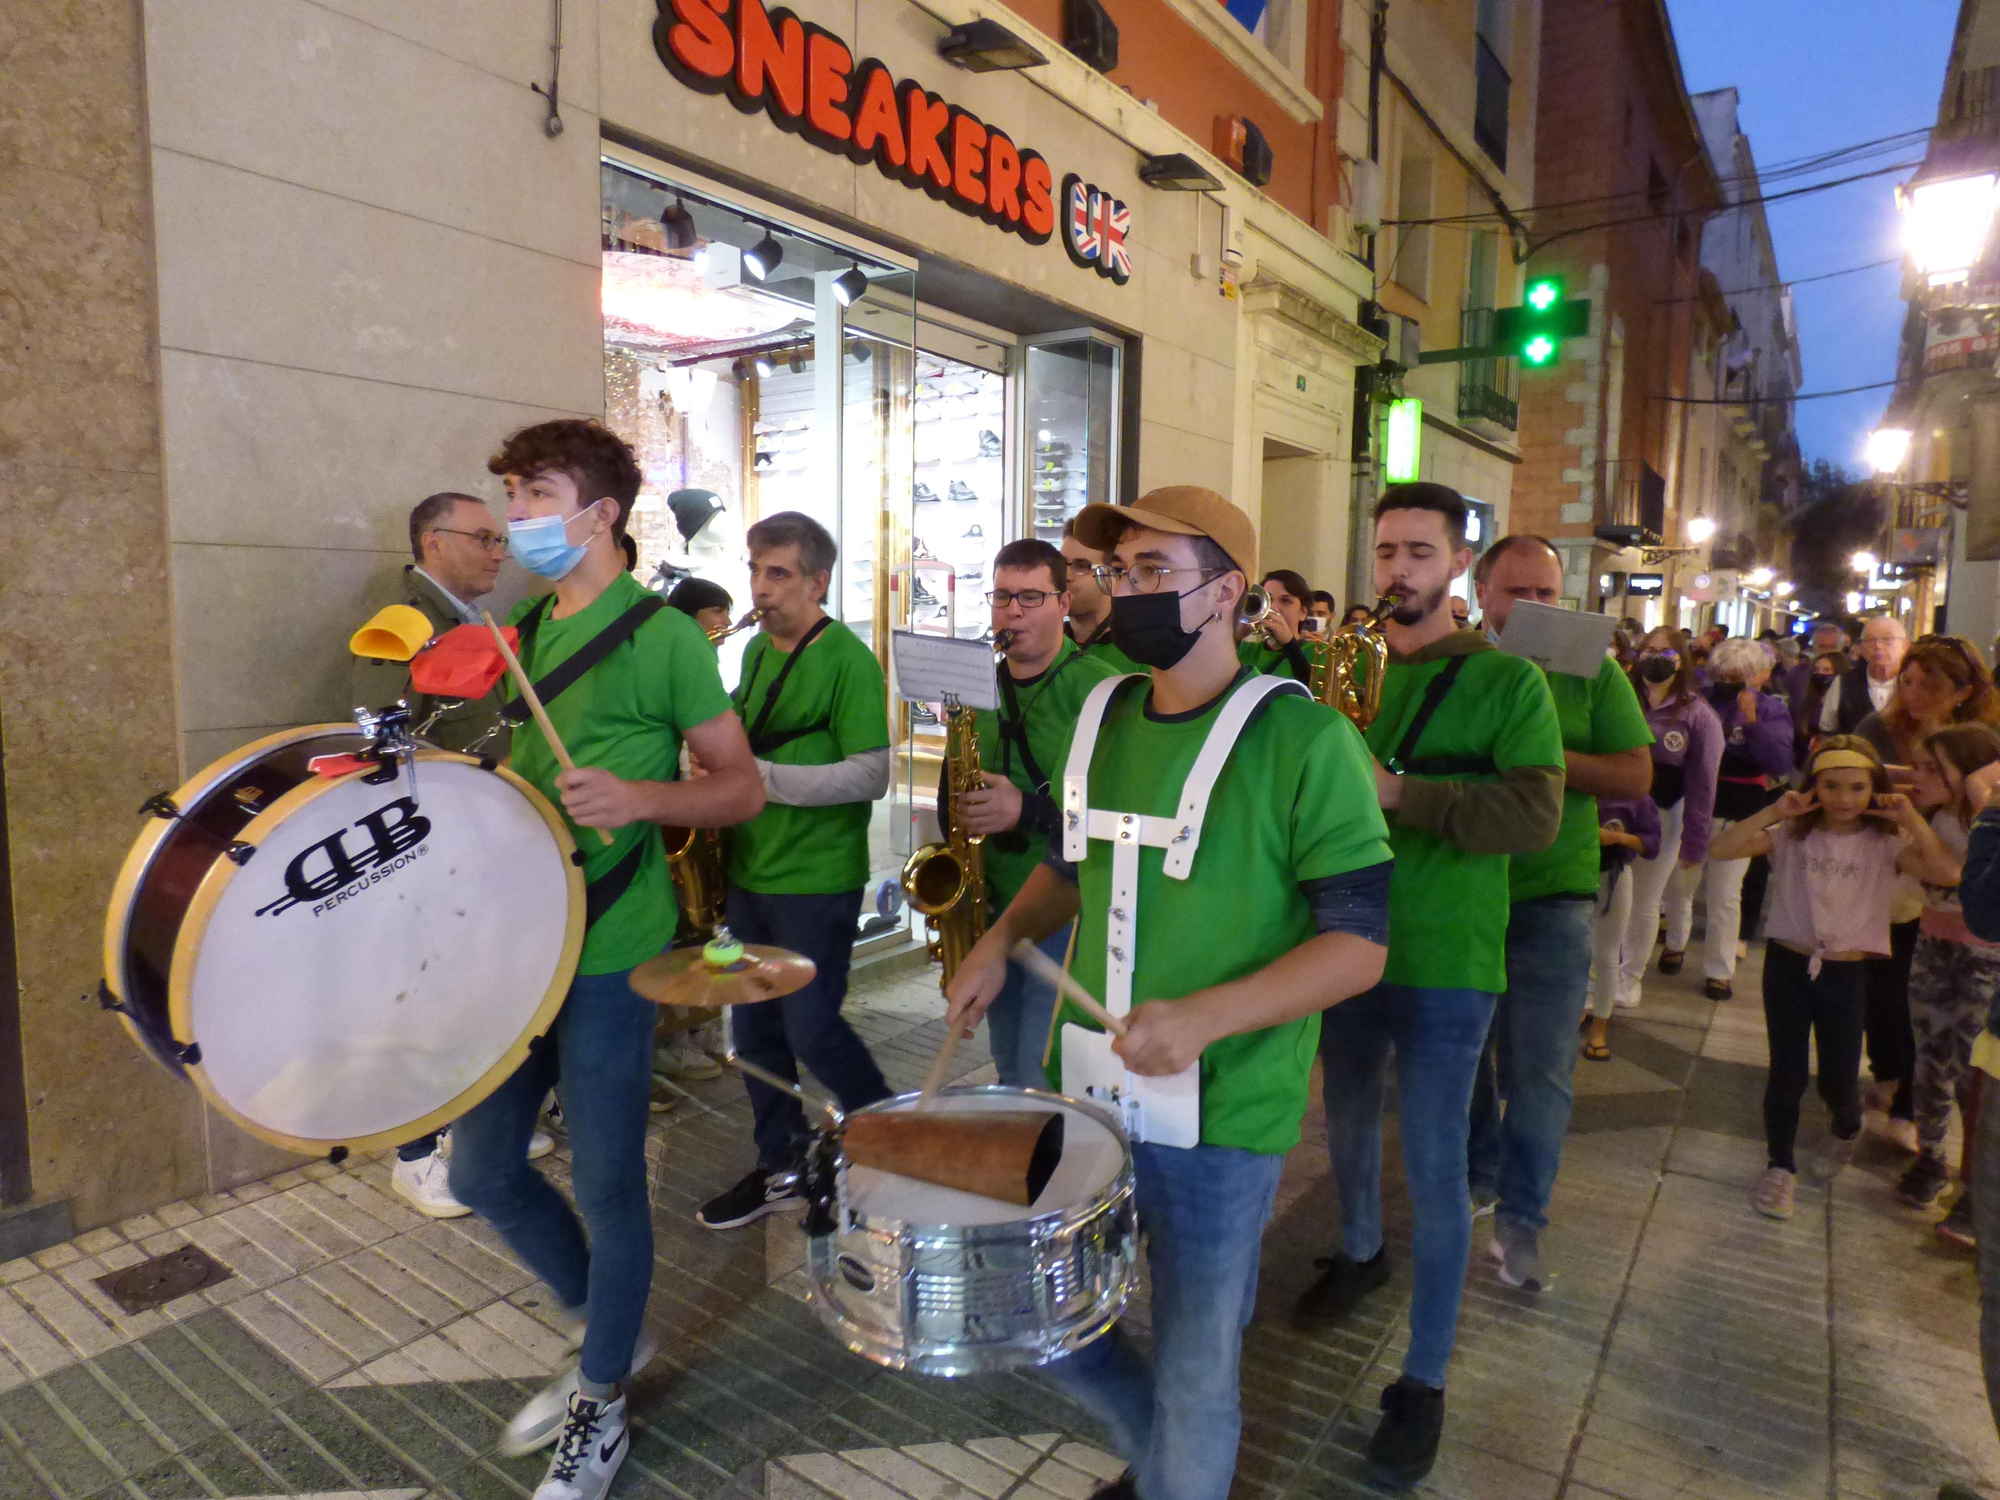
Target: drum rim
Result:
[146, 848]
[208, 896]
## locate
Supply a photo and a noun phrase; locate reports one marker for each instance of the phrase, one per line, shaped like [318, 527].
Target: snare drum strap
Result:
[603, 893]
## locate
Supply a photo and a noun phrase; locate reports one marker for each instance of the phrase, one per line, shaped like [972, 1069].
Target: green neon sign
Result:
[1402, 440]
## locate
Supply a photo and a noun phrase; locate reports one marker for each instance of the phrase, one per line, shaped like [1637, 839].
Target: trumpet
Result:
[1349, 665]
[724, 632]
[1254, 616]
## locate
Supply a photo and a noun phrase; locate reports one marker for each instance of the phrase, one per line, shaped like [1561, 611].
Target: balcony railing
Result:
[1487, 388]
[1632, 510]
[1489, 110]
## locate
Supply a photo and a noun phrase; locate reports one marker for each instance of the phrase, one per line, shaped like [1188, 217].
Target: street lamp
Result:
[1700, 529]
[1945, 223]
[1785, 587]
[1887, 448]
[1862, 562]
[1761, 577]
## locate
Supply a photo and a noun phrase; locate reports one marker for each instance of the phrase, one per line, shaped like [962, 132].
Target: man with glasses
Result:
[1089, 606]
[1042, 688]
[457, 546]
[1228, 869]
[1866, 687]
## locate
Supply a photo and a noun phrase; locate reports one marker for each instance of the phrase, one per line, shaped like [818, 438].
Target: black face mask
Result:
[1147, 628]
[1658, 668]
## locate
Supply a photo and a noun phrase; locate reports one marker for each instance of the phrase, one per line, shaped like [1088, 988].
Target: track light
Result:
[762, 258]
[849, 285]
[679, 226]
[1177, 172]
[985, 46]
[764, 367]
[797, 363]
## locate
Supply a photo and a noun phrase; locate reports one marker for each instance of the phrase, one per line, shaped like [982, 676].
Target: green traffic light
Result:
[1543, 295]
[1539, 350]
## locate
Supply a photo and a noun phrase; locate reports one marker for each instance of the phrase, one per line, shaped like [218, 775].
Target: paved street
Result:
[1687, 1347]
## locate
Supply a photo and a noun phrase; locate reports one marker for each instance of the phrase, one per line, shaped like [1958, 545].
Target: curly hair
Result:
[598, 462]
[1952, 664]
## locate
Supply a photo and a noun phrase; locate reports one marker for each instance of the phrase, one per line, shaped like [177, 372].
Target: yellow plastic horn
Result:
[395, 633]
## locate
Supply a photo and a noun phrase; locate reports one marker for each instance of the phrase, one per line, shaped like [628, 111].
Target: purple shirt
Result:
[1640, 816]
[1687, 740]
[1762, 747]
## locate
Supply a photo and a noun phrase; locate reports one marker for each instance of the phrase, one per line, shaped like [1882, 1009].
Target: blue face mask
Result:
[542, 545]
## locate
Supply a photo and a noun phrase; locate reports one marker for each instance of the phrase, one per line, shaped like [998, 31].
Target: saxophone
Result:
[946, 881]
[1348, 667]
[695, 862]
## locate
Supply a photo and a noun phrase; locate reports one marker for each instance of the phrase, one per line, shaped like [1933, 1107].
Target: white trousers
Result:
[1608, 938]
[1722, 903]
[1650, 878]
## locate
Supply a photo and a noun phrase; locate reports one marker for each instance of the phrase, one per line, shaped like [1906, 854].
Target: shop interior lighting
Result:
[1700, 529]
[1863, 562]
[679, 226]
[849, 285]
[1178, 173]
[1945, 224]
[764, 257]
[1887, 448]
[985, 46]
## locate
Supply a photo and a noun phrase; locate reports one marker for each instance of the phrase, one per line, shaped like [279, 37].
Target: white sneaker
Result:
[592, 1447]
[541, 1417]
[681, 1058]
[540, 1144]
[426, 1184]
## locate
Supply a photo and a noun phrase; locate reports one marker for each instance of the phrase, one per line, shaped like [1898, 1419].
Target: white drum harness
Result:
[1164, 1111]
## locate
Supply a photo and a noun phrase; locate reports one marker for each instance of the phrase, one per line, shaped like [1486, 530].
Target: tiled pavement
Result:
[1686, 1348]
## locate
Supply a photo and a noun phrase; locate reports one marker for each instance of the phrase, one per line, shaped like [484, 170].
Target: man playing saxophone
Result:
[1043, 682]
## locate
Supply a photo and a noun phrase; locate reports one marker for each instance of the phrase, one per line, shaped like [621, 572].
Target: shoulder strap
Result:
[605, 892]
[1014, 721]
[1435, 692]
[593, 651]
[1076, 770]
[762, 743]
[1222, 737]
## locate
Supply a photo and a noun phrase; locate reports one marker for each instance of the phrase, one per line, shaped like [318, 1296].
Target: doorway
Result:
[1298, 527]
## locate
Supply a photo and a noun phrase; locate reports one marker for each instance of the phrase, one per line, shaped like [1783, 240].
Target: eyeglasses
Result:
[1145, 578]
[1026, 598]
[1665, 651]
[486, 539]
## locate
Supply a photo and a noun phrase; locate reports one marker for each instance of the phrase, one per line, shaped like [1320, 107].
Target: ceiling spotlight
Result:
[985, 46]
[679, 226]
[764, 367]
[797, 363]
[849, 285]
[762, 258]
[1178, 173]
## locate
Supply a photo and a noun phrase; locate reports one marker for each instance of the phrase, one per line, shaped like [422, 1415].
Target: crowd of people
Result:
[1470, 887]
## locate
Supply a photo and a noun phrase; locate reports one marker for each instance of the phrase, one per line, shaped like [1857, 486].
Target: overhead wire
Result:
[1785, 286]
[1801, 396]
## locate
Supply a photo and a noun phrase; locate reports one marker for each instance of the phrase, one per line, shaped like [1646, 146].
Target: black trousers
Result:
[1800, 1012]
[1892, 1047]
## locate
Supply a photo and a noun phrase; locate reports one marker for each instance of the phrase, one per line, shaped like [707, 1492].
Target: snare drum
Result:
[925, 1278]
[337, 962]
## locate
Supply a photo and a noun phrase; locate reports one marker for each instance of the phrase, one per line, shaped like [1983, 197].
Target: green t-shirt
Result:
[1448, 908]
[627, 715]
[1049, 704]
[1102, 650]
[1270, 660]
[838, 695]
[1599, 716]
[1295, 802]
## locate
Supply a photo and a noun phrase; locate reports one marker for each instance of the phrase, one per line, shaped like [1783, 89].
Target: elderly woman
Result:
[1756, 756]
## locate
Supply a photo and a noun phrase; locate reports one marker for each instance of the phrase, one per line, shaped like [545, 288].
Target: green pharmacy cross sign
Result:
[1532, 333]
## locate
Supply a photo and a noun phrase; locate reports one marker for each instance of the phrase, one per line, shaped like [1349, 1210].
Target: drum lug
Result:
[188, 1055]
[160, 805]
[106, 1000]
[239, 852]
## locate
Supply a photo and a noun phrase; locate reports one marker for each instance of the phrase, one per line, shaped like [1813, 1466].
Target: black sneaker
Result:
[1956, 1227]
[1341, 1286]
[1405, 1444]
[1919, 1187]
[1124, 1487]
[759, 1193]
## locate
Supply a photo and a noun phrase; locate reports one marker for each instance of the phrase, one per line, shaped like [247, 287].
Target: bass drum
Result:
[334, 961]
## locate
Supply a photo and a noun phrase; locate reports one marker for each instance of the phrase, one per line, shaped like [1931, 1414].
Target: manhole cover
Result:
[155, 1282]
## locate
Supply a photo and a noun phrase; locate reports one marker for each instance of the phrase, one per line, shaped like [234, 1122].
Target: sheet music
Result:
[930, 667]
[1558, 640]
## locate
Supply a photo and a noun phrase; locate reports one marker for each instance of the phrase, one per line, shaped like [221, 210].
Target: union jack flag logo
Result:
[1096, 227]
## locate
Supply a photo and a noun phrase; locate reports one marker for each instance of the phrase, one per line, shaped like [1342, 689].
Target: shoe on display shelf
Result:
[975, 529]
[923, 494]
[989, 443]
[766, 461]
[962, 492]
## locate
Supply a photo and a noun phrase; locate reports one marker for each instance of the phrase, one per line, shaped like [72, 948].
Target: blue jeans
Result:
[1437, 1036]
[1018, 1020]
[601, 1051]
[1515, 1154]
[805, 1026]
[1202, 1211]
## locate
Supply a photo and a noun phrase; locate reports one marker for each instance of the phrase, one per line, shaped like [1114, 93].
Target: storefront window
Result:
[1072, 407]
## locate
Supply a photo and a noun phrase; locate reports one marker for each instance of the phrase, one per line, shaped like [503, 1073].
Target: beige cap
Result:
[1183, 510]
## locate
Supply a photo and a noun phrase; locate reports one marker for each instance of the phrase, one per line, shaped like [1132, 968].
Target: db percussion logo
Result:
[327, 873]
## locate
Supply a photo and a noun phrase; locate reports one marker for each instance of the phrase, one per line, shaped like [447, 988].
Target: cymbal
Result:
[723, 972]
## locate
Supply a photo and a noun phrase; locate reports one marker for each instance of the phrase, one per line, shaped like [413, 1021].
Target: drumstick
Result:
[534, 703]
[935, 1077]
[1031, 956]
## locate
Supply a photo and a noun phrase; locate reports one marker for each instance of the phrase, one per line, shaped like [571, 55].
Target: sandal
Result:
[1597, 1051]
[1718, 989]
[1670, 961]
